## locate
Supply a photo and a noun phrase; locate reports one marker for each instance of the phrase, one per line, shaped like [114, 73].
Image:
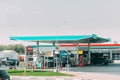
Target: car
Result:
[4, 75]
[12, 62]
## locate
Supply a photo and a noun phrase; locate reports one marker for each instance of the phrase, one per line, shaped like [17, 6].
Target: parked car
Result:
[4, 75]
[12, 62]
[101, 58]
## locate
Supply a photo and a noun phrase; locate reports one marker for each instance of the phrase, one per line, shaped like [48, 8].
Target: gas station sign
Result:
[29, 49]
[29, 56]
[80, 52]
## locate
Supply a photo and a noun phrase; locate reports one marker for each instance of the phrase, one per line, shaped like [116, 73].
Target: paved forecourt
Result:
[77, 76]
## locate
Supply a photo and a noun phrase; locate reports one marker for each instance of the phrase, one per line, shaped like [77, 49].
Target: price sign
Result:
[29, 49]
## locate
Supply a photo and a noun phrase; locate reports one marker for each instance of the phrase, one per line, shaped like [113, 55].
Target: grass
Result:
[36, 73]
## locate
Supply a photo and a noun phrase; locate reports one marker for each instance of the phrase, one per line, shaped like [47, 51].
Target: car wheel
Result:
[7, 78]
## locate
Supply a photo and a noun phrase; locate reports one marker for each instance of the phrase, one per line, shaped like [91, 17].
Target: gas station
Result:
[56, 41]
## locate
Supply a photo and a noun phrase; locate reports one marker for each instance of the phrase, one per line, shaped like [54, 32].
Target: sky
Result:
[59, 17]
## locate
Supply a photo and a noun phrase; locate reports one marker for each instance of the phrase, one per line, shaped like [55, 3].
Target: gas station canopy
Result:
[62, 39]
[75, 39]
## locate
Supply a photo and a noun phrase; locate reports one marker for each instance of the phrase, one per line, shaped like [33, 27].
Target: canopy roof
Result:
[92, 46]
[62, 39]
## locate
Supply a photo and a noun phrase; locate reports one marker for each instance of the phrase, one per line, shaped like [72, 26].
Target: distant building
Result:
[11, 54]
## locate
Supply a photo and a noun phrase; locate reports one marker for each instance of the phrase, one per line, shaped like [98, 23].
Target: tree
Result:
[19, 48]
[2, 47]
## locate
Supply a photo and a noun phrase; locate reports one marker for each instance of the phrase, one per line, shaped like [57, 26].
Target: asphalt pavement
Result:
[113, 69]
[96, 72]
[77, 76]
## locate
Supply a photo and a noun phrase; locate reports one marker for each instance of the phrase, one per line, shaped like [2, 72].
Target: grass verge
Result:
[36, 73]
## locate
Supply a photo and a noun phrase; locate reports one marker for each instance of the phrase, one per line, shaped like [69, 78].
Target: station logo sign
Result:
[29, 50]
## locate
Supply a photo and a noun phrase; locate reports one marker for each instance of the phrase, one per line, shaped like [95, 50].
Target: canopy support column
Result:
[89, 54]
[111, 54]
[38, 52]
[53, 48]
[77, 48]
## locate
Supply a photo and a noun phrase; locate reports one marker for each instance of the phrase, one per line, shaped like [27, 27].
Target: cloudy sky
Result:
[65, 17]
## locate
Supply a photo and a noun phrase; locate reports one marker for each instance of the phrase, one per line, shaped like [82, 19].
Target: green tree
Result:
[19, 48]
[2, 47]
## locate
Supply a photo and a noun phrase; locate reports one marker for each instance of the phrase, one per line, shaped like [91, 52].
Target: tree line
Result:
[19, 48]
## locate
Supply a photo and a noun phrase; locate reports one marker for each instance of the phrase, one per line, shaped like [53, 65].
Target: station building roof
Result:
[94, 46]
[62, 39]
[81, 46]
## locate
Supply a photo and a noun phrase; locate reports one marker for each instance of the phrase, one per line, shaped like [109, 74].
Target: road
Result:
[111, 72]
[109, 69]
